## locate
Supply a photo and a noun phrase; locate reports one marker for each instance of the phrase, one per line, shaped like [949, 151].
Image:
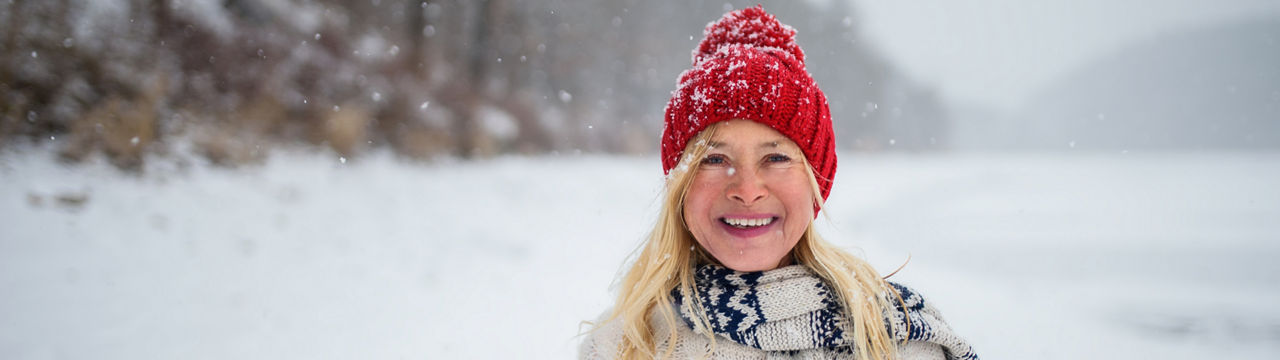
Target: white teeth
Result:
[748, 222]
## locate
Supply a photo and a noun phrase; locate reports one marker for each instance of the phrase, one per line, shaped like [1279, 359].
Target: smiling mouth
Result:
[747, 223]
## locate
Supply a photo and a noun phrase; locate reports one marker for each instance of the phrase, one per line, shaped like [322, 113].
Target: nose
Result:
[746, 187]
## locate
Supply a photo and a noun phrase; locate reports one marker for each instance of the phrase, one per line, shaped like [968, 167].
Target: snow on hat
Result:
[748, 66]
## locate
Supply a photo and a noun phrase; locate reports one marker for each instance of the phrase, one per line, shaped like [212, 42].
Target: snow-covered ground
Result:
[1048, 256]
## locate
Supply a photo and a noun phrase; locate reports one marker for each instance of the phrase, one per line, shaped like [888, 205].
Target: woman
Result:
[733, 267]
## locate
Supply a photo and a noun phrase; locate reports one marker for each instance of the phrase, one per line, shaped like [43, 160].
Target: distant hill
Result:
[1209, 88]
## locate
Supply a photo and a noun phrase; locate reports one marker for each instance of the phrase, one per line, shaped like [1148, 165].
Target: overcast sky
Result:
[1000, 52]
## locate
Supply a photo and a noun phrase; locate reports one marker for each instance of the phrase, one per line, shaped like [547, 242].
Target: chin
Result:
[749, 265]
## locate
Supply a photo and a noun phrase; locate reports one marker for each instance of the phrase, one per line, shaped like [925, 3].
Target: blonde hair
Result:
[667, 261]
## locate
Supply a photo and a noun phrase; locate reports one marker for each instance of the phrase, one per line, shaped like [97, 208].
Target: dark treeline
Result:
[226, 79]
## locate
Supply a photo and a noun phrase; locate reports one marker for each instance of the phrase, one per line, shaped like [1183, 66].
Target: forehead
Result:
[746, 133]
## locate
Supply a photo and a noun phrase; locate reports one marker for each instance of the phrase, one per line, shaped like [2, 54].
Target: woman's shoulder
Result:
[602, 340]
[906, 299]
[916, 320]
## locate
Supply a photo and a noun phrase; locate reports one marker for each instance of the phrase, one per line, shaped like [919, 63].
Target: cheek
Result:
[796, 195]
[698, 200]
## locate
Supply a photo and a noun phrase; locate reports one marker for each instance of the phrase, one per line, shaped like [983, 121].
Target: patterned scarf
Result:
[791, 309]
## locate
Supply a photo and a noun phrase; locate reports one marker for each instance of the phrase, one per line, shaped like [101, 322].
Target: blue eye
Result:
[714, 159]
[777, 158]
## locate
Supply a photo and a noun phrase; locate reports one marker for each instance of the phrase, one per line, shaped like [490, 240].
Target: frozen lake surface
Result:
[1049, 256]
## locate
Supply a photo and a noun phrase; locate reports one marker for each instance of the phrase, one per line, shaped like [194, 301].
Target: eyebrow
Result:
[766, 144]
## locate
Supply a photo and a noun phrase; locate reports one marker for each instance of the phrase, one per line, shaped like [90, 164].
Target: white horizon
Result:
[1000, 53]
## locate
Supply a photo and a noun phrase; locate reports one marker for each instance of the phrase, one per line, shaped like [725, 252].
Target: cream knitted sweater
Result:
[784, 313]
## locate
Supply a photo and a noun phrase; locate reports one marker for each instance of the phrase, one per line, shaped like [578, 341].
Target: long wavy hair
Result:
[666, 262]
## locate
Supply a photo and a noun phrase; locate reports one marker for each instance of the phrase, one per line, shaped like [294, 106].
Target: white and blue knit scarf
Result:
[791, 309]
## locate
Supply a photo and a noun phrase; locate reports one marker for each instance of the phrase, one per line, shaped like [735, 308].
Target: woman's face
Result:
[750, 199]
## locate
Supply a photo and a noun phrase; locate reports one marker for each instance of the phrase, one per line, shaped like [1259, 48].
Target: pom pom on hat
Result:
[750, 26]
[748, 66]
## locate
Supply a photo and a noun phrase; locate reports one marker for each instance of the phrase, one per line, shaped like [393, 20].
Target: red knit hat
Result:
[748, 66]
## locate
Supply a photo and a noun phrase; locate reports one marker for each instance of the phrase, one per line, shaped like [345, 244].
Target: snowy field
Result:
[1050, 256]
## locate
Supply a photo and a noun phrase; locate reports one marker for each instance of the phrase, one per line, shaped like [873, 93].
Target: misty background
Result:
[232, 79]
[463, 179]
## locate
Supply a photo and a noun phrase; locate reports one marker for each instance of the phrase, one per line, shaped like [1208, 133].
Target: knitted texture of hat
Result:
[748, 66]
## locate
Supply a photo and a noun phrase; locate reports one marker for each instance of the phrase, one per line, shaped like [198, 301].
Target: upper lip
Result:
[747, 216]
